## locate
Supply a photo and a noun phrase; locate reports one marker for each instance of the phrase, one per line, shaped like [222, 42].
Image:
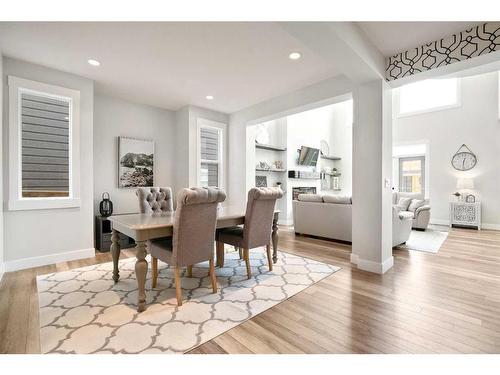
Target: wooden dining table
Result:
[145, 227]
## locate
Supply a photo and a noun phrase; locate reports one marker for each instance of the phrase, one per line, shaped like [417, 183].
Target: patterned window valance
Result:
[472, 42]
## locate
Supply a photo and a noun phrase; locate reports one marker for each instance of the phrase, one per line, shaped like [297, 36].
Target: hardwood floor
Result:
[447, 302]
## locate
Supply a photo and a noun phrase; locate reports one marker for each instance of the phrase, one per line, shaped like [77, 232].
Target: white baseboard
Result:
[2, 270]
[447, 223]
[21, 264]
[439, 222]
[490, 226]
[370, 266]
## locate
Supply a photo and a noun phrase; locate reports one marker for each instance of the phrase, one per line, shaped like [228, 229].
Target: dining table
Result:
[145, 227]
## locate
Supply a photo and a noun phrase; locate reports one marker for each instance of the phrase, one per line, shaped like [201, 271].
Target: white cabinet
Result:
[465, 214]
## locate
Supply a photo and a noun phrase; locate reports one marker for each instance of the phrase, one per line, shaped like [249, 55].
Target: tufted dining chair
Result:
[155, 199]
[193, 235]
[256, 230]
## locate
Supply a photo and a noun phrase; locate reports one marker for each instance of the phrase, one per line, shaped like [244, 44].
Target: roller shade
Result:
[209, 153]
[45, 145]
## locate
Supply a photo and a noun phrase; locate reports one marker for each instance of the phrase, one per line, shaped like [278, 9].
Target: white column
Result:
[371, 198]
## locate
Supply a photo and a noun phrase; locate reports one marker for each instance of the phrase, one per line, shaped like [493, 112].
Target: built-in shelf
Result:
[269, 147]
[269, 170]
[330, 157]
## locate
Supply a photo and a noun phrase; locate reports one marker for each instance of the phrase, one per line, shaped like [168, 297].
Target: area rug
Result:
[429, 241]
[83, 311]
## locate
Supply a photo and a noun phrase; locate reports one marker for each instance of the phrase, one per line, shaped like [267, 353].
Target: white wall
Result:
[114, 118]
[474, 123]
[332, 123]
[2, 266]
[241, 175]
[186, 143]
[39, 237]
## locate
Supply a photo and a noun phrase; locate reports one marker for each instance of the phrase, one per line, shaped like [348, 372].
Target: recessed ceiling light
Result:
[93, 62]
[294, 56]
[209, 97]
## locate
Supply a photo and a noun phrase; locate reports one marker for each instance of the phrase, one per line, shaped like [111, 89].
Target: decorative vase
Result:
[106, 206]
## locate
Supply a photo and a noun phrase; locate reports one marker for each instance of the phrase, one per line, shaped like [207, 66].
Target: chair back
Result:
[155, 200]
[194, 226]
[259, 216]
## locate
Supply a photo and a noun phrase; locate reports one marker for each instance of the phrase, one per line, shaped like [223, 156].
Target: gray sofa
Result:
[418, 207]
[323, 216]
[330, 216]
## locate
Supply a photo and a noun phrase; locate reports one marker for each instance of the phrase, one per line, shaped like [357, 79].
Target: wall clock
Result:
[464, 159]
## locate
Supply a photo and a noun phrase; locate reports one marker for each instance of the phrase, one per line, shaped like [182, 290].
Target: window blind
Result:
[45, 146]
[209, 168]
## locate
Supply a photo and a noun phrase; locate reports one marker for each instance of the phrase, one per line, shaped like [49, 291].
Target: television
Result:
[308, 156]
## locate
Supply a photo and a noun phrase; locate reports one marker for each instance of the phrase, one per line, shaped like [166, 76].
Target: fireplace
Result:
[302, 190]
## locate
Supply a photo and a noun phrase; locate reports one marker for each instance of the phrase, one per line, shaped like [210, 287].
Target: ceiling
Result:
[172, 64]
[393, 37]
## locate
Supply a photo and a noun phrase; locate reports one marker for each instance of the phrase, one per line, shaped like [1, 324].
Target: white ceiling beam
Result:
[342, 44]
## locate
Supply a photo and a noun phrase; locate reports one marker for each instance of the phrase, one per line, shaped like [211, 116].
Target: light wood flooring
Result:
[447, 302]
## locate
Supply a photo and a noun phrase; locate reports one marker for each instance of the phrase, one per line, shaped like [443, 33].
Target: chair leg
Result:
[240, 251]
[154, 265]
[220, 254]
[269, 259]
[190, 271]
[178, 290]
[212, 275]
[246, 256]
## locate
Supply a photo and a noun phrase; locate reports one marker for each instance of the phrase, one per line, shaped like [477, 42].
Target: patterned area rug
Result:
[83, 311]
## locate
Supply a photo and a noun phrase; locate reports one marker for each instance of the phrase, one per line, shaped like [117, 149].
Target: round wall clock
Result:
[464, 159]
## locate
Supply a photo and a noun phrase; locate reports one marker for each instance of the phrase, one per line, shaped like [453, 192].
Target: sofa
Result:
[330, 216]
[415, 204]
[326, 216]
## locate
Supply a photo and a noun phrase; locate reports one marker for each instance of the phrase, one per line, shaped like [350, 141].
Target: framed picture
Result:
[135, 162]
[260, 181]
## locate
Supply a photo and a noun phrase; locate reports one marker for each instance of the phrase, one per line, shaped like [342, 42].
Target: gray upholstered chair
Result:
[155, 200]
[193, 235]
[256, 231]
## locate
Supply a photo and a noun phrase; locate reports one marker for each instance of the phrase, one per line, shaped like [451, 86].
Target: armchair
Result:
[401, 226]
[421, 215]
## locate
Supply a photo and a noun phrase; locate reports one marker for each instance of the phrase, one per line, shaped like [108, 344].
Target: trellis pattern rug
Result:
[83, 311]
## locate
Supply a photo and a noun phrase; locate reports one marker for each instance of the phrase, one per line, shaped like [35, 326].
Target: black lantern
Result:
[106, 206]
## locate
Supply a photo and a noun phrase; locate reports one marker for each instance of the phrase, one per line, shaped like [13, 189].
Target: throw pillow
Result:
[415, 203]
[403, 203]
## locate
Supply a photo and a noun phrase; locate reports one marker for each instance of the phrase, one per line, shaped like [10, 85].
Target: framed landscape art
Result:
[135, 162]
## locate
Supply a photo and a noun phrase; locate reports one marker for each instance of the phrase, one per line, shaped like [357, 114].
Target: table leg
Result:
[141, 270]
[220, 254]
[115, 254]
[275, 238]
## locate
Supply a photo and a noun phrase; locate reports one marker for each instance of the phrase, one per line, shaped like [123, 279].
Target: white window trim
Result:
[16, 201]
[204, 123]
[429, 110]
[424, 175]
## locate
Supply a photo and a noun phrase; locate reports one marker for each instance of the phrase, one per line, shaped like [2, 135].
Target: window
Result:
[427, 96]
[43, 158]
[211, 140]
[411, 174]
